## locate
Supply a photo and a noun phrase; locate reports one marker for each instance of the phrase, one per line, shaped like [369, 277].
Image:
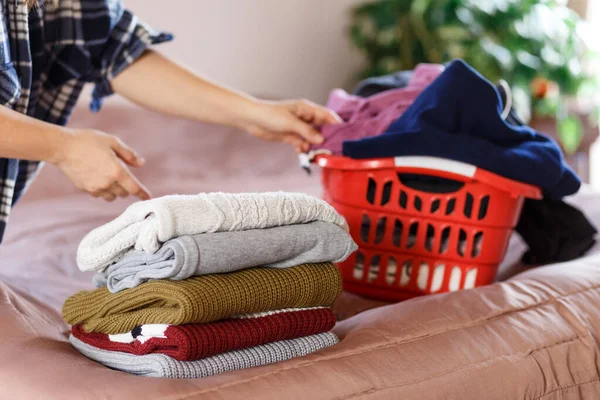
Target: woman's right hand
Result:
[97, 163]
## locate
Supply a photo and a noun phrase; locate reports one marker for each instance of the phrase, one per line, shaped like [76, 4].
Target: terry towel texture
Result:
[159, 365]
[196, 341]
[147, 224]
[204, 299]
[222, 252]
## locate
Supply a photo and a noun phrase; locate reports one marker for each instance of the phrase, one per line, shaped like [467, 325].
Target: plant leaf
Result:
[570, 133]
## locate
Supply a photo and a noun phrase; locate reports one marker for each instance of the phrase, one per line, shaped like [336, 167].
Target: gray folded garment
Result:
[222, 252]
[163, 366]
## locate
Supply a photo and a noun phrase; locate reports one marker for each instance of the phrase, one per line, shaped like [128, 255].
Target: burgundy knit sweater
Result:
[196, 341]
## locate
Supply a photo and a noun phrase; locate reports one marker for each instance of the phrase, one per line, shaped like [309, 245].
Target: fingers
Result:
[118, 190]
[308, 116]
[125, 153]
[306, 131]
[108, 196]
[298, 143]
[105, 194]
[122, 183]
[133, 186]
[316, 114]
[126, 183]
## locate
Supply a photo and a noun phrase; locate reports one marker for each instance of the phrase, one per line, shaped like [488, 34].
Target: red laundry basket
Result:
[413, 241]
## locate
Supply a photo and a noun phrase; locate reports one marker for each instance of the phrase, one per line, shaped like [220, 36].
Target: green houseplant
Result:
[535, 45]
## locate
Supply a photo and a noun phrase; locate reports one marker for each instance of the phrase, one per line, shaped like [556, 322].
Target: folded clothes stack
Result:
[192, 286]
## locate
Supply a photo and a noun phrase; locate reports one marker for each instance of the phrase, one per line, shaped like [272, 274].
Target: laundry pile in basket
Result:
[452, 112]
[191, 286]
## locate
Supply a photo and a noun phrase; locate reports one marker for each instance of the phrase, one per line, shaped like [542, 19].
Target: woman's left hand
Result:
[292, 122]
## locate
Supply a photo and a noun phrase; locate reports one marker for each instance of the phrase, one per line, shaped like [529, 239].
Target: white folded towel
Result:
[147, 224]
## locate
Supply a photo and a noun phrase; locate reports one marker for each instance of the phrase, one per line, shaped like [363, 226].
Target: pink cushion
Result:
[534, 336]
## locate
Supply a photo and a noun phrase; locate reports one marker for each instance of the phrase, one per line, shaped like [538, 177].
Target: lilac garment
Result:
[371, 116]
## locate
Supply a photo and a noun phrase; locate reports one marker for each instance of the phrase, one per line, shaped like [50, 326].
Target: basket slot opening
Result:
[387, 192]
[380, 229]
[392, 270]
[438, 277]
[470, 279]
[397, 234]
[411, 240]
[483, 207]
[444, 240]
[359, 266]
[435, 205]
[405, 273]
[450, 206]
[374, 268]
[468, 209]
[430, 237]
[476, 249]
[455, 277]
[430, 184]
[418, 203]
[365, 227]
[423, 276]
[462, 243]
[403, 199]
[371, 189]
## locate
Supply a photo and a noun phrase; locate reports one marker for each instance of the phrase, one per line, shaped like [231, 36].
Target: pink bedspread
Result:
[533, 337]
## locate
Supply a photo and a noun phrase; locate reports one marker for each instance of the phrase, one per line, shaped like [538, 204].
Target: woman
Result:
[50, 50]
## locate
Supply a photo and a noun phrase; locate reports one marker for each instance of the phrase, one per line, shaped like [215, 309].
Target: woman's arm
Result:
[159, 84]
[93, 161]
[27, 138]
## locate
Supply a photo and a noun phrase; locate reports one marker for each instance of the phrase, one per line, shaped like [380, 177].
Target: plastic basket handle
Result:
[436, 164]
[456, 169]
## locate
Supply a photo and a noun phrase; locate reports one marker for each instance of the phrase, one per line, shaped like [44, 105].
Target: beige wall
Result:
[283, 48]
[280, 48]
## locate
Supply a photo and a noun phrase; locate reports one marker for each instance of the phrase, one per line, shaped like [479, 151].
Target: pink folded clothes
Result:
[371, 116]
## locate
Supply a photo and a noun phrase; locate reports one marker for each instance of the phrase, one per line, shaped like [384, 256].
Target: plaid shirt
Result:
[48, 54]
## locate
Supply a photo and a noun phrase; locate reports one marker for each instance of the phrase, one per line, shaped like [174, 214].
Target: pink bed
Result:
[534, 336]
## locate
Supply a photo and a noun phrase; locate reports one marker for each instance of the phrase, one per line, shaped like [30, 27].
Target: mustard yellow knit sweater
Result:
[204, 298]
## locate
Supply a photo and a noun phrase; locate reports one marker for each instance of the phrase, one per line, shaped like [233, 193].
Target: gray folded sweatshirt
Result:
[222, 252]
[162, 366]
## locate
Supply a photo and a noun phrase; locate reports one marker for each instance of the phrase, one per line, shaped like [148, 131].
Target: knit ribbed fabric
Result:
[159, 365]
[145, 225]
[223, 252]
[205, 298]
[196, 341]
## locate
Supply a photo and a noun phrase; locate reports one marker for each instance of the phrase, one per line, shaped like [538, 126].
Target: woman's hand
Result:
[159, 84]
[292, 122]
[97, 163]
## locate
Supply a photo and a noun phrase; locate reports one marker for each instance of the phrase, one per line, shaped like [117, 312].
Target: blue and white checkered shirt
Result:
[47, 54]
